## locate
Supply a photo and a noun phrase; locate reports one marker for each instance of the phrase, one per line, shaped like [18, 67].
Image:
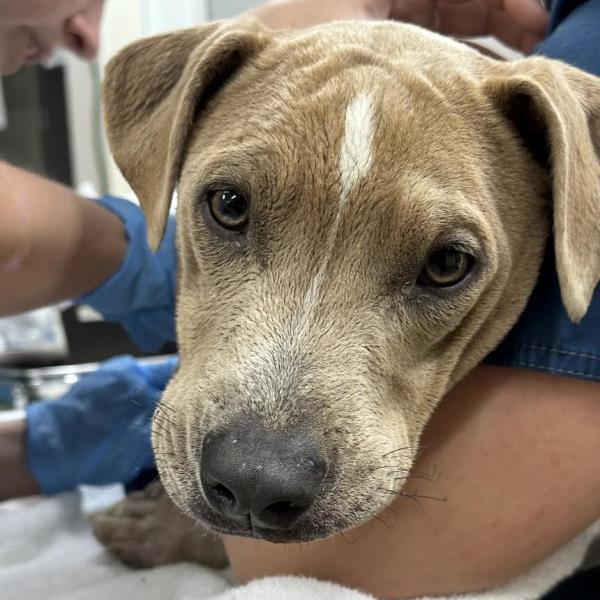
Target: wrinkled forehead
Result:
[351, 113]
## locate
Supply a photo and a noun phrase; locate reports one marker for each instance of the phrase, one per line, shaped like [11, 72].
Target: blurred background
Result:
[50, 123]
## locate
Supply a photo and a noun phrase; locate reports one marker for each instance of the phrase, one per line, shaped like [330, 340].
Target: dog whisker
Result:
[399, 450]
[381, 520]
[167, 425]
[346, 540]
[164, 405]
[160, 427]
[160, 410]
[142, 427]
[413, 495]
[164, 417]
[408, 472]
[426, 497]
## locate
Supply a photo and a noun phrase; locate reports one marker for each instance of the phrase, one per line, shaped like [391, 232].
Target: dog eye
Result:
[446, 267]
[229, 208]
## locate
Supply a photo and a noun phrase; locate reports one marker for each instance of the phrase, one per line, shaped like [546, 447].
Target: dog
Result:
[362, 212]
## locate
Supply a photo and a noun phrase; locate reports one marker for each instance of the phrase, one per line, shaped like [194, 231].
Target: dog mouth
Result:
[306, 531]
[281, 486]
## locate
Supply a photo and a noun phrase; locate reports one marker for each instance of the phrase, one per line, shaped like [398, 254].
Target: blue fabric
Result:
[140, 296]
[574, 34]
[544, 338]
[99, 431]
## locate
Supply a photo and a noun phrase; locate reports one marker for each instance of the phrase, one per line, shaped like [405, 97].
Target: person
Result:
[515, 446]
[29, 31]
[55, 245]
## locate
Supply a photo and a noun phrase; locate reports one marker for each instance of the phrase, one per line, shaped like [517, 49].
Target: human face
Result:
[30, 31]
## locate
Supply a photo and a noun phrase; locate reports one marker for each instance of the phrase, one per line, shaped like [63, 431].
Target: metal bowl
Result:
[18, 387]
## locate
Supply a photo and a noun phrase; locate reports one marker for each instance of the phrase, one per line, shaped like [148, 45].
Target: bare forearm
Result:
[16, 479]
[516, 457]
[290, 14]
[54, 245]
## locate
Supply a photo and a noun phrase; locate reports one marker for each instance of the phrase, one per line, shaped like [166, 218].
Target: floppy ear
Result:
[153, 92]
[556, 110]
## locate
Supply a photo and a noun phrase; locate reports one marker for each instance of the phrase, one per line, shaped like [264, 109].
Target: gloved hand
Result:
[140, 296]
[99, 431]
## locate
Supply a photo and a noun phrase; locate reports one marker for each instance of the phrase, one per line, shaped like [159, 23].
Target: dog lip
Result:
[245, 528]
[274, 536]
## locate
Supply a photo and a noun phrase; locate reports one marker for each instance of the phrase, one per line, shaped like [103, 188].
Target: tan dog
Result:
[362, 213]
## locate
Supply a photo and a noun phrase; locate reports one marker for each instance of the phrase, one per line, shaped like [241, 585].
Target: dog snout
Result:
[266, 478]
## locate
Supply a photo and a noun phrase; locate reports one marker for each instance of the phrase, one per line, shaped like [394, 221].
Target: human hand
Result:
[518, 23]
[99, 431]
[296, 14]
[140, 296]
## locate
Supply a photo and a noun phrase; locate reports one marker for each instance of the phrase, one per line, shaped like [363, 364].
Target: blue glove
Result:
[99, 431]
[140, 296]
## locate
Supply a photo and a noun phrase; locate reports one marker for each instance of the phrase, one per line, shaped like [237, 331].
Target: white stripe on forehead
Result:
[355, 160]
[291, 338]
[356, 157]
[357, 146]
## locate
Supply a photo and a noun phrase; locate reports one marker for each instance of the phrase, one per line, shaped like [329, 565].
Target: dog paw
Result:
[147, 530]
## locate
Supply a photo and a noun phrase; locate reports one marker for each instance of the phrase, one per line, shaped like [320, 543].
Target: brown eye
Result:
[229, 209]
[446, 267]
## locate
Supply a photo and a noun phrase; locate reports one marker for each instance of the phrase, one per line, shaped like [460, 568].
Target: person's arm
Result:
[96, 433]
[54, 245]
[511, 456]
[520, 24]
[295, 14]
[17, 479]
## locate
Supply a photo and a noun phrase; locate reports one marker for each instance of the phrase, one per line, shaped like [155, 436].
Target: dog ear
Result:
[153, 92]
[556, 110]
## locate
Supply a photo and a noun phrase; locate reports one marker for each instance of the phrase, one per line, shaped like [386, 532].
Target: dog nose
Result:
[271, 478]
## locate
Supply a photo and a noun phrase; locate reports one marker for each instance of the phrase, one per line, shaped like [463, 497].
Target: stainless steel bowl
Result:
[18, 387]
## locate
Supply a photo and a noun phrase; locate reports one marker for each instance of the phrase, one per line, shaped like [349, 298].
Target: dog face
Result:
[362, 211]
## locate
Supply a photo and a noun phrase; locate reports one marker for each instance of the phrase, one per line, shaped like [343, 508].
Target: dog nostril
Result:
[223, 493]
[283, 511]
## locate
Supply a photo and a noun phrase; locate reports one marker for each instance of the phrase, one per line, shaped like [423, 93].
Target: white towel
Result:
[47, 552]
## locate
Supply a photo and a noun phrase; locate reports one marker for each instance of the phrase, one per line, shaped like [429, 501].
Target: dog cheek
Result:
[373, 455]
[172, 422]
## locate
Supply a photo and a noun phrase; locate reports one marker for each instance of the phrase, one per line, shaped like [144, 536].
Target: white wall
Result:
[125, 21]
[122, 23]
[80, 105]
[221, 9]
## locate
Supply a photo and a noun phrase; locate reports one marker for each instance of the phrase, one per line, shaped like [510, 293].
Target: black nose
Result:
[273, 478]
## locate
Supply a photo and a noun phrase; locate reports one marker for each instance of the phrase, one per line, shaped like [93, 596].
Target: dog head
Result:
[362, 212]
